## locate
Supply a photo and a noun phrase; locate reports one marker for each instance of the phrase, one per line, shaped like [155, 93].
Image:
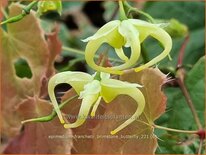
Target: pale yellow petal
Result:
[90, 52]
[76, 79]
[95, 106]
[104, 30]
[156, 31]
[109, 92]
[112, 37]
[120, 54]
[163, 37]
[131, 36]
[90, 88]
[145, 28]
[104, 75]
[86, 105]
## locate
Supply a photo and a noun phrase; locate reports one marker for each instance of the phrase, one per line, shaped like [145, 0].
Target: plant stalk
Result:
[175, 130]
[180, 76]
[52, 115]
[25, 11]
[122, 11]
[180, 80]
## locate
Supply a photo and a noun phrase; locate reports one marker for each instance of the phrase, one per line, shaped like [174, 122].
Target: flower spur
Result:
[91, 89]
[126, 33]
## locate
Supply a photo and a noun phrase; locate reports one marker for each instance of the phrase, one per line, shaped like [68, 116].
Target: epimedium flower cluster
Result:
[91, 89]
[127, 33]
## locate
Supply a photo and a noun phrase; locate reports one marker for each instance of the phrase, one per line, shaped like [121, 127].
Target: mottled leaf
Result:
[24, 39]
[18, 43]
[21, 96]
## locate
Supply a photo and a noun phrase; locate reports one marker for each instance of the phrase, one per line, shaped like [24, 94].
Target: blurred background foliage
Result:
[82, 19]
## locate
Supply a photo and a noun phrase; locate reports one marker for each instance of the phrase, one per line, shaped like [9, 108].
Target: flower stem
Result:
[132, 9]
[182, 52]
[200, 146]
[175, 130]
[52, 115]
[122, 11]
[180, 75]
[25, 11]
[28, 8]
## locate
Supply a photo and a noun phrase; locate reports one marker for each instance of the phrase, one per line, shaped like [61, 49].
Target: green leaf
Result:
[194, 50]
[190, 14]
[179, 115]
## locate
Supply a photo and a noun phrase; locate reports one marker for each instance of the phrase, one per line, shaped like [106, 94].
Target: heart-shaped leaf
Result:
[137, 137]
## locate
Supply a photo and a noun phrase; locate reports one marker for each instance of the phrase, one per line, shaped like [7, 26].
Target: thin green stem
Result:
[67, 101]
[132, 9]
[72, 50]
[200, 147]
[52, 115]
[28, 8]
[25, 11]
[180, 75]
[122, 11]
[175, 130]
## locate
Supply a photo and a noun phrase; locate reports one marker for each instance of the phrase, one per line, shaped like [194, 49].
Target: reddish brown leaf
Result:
[19, 43]
[21, 97]
[3, 4]
[24, 39]
[55, 47]
[152, 80]
[47, 138]
[138, 137]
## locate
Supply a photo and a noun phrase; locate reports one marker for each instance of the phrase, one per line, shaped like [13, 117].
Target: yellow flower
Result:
[127, 33]
[91, 89]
